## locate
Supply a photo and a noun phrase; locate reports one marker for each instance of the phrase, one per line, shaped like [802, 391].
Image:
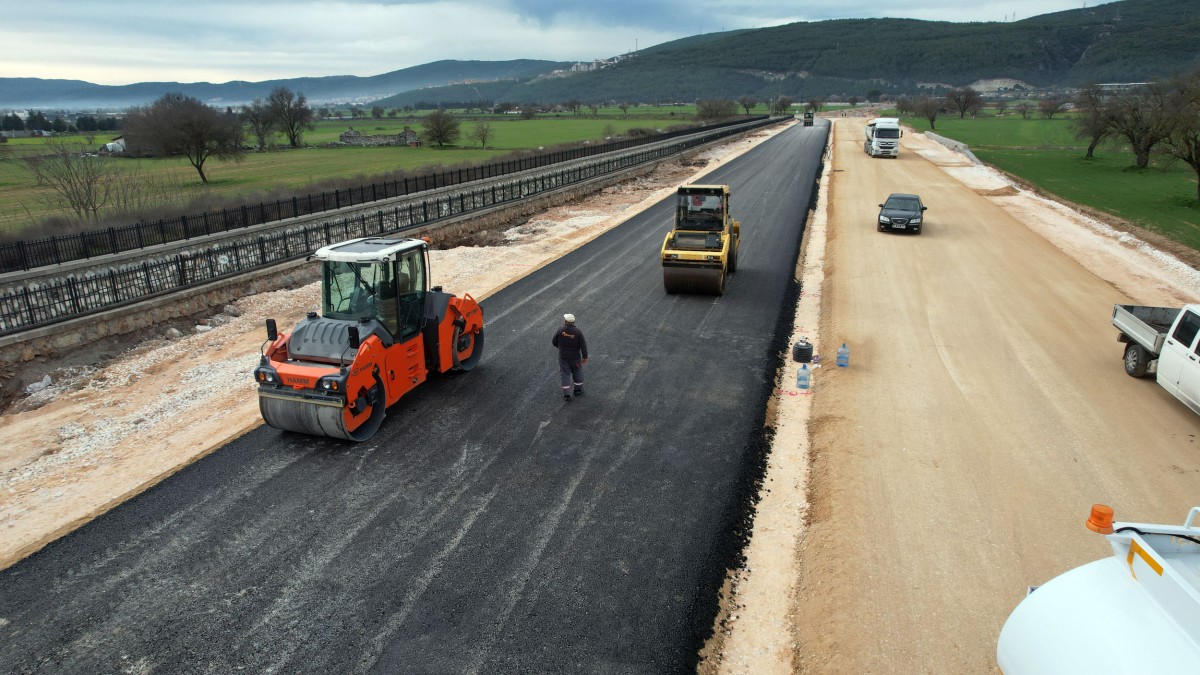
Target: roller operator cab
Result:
[702, 247]
[381, 330]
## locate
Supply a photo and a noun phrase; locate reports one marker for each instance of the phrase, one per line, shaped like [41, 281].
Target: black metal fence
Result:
[27, 255]
[77, 295]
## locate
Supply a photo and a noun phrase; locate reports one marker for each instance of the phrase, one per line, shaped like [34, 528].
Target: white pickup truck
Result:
[1164, 341]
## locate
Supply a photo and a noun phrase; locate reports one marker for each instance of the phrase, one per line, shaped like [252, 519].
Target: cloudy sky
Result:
[125, 41]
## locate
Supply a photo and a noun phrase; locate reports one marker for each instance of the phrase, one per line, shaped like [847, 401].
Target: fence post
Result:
[149, 281]
[112, 239]
[54, 245]
[28, 304]
[337, 199]
[262, 250]
[295, 207]
[183, 221]
[74, 295]
[181, 270]
[245, 216]
[24, 254]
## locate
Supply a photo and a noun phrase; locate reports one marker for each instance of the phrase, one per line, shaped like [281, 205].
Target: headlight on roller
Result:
[331, 384]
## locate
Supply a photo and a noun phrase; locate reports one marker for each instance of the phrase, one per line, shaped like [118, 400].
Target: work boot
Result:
[579, 391]
[566, 397]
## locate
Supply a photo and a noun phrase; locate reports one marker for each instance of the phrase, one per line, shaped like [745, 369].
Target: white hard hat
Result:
[569, 318]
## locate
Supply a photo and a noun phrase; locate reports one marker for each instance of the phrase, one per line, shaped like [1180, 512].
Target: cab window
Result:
[1187, 328]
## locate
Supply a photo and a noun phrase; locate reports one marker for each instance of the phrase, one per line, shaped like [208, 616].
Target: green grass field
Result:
[1160, 198]
[22, 201]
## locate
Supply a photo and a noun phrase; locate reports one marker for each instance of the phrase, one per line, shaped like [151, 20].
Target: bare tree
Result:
[624, 108]
[1050, 106]
[1094, 122]
[815, 104]
[747, 103]
[77, 181]
[261, 121]
[482, 133]
[595, 109]
[573, 105]
[964, 100]
[853, 101]
[377, 112]
[1023, 107]
[181, 125]
[1001, 105]
[1144, 118]
[713, 109]
[1183, 143]
[292, 114]
[928, 108]
[441, 127]
[782, 106]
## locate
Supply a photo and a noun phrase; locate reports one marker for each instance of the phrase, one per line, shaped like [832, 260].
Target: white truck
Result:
[1164, 341]
[883, 137]
[1137, 611]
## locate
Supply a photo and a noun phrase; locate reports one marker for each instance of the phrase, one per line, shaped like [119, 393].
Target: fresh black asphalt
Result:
[490, 527]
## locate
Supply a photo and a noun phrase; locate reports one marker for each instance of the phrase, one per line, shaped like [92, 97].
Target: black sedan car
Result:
[901, 212]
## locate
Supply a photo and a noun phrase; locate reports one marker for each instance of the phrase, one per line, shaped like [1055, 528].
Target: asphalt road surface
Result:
[489, 526]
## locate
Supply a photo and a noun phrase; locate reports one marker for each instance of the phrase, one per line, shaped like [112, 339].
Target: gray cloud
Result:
[123, 41]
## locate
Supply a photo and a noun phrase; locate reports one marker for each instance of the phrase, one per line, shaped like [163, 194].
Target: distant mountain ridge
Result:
[20, 93]
[1129, 40]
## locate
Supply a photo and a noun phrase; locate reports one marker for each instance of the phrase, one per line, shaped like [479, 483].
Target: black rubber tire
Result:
[476, 344]
[1137, 360]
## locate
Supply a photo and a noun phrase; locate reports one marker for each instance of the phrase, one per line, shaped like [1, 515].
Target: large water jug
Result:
[802, 377]
[843, 356]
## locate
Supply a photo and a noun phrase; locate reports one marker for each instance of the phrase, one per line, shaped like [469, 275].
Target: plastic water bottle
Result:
[802, 377]
[843, 356]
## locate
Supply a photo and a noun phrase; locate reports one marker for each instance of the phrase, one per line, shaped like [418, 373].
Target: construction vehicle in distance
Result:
[1137, 611]
[808, 118]
[382, 329]
[702, 248]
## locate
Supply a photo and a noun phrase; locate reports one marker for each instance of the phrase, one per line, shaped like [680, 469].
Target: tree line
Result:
[1161, 117]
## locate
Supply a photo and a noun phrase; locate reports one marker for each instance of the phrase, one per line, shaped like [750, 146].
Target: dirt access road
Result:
[985, 409]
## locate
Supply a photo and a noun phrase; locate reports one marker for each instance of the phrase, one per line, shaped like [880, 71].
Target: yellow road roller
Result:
[703, 246]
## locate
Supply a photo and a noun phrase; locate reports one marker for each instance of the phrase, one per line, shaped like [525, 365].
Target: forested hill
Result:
[1130, 40]
[38, 93]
